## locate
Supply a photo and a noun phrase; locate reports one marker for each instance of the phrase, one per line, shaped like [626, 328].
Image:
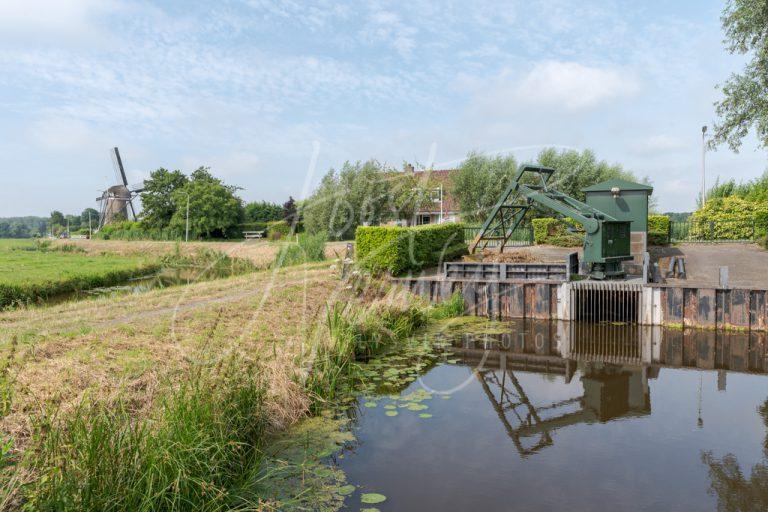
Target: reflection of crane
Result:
[609, 392]
[606, 240]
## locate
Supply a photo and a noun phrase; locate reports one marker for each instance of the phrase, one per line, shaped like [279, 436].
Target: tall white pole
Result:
[90, 229]
[703, 164]
[441, 203]
[186, 236]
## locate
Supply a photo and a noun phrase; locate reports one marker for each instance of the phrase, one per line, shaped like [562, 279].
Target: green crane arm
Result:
[514, 203]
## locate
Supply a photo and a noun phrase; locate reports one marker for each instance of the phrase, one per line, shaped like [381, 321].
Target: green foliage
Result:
[658, 230]
[363, 193]
[23, 227]
[263, 212]
[130, 230]
[753, 190]
[745, 96]
[307, 249]
[399, 250]
[57, 218]
[278, 229]
[729, 218]
[549, 231]
[450, 308]
[157, 198]
[198, 449]
[576, 170]
[478, 182]
[214, 209]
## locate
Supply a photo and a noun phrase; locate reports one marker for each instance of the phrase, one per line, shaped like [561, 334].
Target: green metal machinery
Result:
[606, 240]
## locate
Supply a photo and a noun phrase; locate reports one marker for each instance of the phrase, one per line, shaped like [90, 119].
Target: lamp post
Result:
[703, 164]
[186, 233]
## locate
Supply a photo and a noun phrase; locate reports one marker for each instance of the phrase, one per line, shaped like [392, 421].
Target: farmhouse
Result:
[443, 207]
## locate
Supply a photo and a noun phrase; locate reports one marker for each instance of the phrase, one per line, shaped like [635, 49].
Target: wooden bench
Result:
[253, 235]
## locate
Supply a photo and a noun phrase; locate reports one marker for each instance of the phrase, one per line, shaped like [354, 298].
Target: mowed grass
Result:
[18, 266]
[28, 275]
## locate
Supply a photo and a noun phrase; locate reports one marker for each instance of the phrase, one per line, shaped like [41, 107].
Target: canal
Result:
[542, 416]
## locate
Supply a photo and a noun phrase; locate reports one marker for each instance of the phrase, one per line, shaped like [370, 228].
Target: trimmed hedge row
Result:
[658, 230]
[551, 231]
[399, 250]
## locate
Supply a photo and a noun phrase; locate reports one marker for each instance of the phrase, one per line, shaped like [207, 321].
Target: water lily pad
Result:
[445, 397]
[417, 407]
[345, 490]
[391, 413]
[425, 415]
[390, 406]
[370, 404]
[372, 498]
[370, 509]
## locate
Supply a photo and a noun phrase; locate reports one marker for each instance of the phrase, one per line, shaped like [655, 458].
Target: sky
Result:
[272, 94]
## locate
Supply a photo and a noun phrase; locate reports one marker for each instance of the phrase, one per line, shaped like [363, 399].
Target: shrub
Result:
[278, 229]
[399, 250]
[730, 218]
[551, 231]
[658, 230]
[306, 249]
[128, 230]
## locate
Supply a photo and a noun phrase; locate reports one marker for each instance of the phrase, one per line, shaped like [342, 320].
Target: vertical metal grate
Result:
[606, 302]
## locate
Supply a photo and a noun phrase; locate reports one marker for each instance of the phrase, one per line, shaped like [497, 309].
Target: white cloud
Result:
[50, 20]
[573, 86]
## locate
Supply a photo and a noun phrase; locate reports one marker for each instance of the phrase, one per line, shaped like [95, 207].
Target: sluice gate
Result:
[606, 301]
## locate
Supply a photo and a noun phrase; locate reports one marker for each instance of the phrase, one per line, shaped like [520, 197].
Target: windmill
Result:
[117, 200]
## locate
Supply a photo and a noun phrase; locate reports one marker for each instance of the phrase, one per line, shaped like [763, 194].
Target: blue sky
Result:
[271, 94]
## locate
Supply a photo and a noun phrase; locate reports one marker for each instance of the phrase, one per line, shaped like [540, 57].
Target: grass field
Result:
[29, 275]
[98, 395]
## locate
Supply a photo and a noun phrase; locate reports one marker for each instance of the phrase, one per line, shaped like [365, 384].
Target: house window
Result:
[424, 219]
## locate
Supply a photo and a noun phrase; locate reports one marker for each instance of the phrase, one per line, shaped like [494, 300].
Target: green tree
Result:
[157, 202]
[89, 215]
[263, 211]
[57, 218]
[366, 193]
[214, 209]
[745, 95]
[479, 181]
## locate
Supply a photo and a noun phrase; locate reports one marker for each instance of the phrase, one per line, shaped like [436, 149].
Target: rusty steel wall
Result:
[708, 308]
[714, 308]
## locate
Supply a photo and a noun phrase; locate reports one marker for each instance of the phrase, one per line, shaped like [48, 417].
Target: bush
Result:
[399, 250]
[128, 230]
[278, 229]
[658, 230]
[554, 232]
[730, 218]
[308, 248]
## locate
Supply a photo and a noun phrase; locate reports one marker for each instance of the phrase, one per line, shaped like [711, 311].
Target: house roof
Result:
[606, 186]
[443, 177]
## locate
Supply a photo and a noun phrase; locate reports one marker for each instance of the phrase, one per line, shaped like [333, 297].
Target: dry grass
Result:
[127, 346]
[261, 252]
[513, 256]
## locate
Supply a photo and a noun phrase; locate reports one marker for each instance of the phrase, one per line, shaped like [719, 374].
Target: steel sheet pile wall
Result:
[601, 301]
[493, 299]
[715, 308]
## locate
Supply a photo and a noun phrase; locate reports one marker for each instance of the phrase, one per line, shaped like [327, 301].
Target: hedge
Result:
[398, 250]
[551, 231]
[729, 218]
[658, 230]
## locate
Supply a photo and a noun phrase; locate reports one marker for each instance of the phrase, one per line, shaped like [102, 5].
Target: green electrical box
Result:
[626, 201]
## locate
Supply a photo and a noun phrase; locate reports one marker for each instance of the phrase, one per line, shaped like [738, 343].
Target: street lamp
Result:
[703, 164]
[186, 233]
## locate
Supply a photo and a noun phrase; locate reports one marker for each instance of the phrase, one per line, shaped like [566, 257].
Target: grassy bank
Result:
[32, 272]
[165, 401]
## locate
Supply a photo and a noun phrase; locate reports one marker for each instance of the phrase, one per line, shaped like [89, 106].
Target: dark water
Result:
[553, 417]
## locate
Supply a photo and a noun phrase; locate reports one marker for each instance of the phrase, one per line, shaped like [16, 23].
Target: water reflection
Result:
[541, 402]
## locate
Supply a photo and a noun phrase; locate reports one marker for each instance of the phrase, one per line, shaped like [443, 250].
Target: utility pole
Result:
[90, 229]
[186, 236]
[703, 164]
